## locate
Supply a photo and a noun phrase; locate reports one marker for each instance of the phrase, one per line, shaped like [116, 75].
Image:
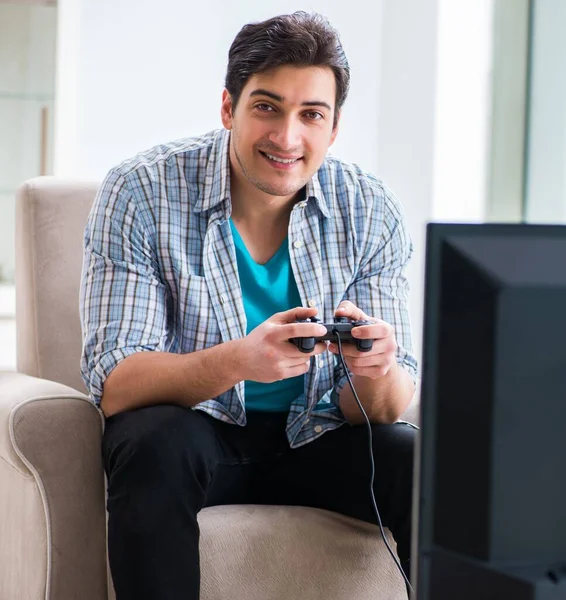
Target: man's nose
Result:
[287, 135]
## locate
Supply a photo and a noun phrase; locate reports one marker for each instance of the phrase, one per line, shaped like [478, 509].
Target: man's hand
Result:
[379, 360]
[267, 355]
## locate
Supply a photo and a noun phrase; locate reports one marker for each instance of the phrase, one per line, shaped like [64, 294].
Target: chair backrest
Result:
[51, 215]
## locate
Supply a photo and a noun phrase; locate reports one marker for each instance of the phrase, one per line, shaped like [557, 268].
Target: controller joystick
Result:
[342, 326]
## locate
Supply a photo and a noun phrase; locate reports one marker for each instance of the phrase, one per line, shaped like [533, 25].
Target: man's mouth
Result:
[278, 159]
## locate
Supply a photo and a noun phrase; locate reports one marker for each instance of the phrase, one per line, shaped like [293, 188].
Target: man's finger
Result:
[350, 310]
[304, 330]
[376, 331]
[295, 314]
[348, 350]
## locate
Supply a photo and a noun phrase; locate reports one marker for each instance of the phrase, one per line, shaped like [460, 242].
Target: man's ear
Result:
[226, 109]
[335, 129]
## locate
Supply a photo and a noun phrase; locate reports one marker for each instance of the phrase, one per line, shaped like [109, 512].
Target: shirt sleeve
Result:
[122, 300]
[380, 287]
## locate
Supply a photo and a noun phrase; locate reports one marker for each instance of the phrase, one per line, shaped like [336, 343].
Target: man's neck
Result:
[262, 222]
[254, 207]
[264, 213]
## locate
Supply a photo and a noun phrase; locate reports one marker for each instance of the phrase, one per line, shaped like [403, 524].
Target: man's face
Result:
[282, 127]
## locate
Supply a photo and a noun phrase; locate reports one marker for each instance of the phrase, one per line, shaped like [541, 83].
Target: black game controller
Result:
[342, 325]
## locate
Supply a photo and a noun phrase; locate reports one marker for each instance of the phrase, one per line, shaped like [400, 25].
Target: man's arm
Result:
[264, 355]
[384, 399]
[124, 316]
[384, 377]
[148, 378]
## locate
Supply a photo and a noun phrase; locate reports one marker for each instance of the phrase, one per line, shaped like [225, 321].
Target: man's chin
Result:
[279, 189]
[280, 192]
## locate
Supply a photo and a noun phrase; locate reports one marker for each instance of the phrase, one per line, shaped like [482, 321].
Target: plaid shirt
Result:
[160, 270]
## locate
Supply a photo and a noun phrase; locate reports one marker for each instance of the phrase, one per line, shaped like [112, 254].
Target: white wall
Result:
[406, 124]
[130, 76]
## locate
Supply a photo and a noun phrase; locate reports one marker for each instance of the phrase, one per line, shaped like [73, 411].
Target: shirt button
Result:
[311, 303]
[222, 299]
[318, 429]
[321, 363]
[307, 420]
[302, 204]
[297, 244]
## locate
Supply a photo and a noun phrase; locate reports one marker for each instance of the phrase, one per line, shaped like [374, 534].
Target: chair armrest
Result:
[52, 496]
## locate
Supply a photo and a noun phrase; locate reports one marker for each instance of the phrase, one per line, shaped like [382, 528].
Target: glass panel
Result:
[21, 139]
[545, 193]
[27, 82]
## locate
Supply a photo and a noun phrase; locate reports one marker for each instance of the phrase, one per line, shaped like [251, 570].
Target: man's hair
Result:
[301, 39]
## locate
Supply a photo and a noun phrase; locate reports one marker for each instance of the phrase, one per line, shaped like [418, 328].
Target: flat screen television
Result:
[490, 502]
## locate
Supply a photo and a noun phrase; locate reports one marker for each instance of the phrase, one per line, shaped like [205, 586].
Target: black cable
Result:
[407, 582]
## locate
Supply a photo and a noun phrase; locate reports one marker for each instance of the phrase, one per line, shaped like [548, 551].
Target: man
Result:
[200, 255]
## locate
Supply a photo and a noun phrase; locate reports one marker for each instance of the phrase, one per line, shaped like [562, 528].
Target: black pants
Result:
[165, 463]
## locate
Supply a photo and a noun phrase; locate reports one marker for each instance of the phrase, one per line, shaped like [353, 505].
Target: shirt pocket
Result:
[196, 320]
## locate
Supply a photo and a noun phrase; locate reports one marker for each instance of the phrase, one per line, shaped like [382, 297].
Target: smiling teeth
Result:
[281, 160]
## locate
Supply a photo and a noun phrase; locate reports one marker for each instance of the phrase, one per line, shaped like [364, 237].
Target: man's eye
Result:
[314, 116]
[264, 107]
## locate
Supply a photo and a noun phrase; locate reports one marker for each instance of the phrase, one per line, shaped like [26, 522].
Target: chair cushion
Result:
[253, 552]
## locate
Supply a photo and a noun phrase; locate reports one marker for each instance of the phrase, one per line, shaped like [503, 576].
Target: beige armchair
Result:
[52, 486]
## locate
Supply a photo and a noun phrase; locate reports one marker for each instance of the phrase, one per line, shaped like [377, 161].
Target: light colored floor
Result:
[7, 328]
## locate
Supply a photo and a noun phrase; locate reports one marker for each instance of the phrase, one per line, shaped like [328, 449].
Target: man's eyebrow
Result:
[278, 98]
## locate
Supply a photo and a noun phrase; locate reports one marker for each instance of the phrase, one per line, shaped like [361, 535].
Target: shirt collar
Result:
[314, 190]
[216, 186]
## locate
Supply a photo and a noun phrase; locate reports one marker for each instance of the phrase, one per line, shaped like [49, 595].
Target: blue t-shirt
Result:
[266, 290]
